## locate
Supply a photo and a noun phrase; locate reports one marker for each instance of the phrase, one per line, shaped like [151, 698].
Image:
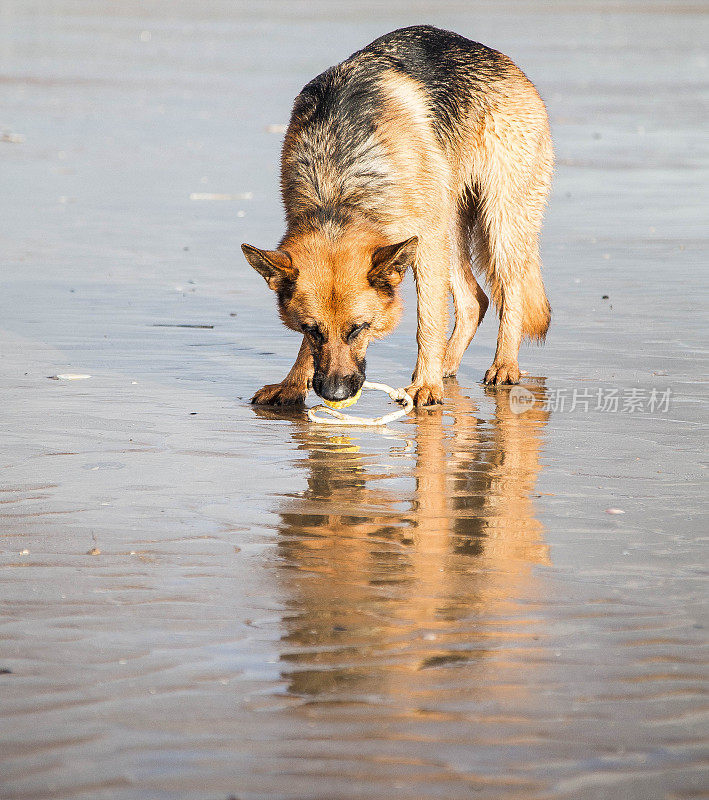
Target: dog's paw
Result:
[506, 372]
[280, 394]
[426, 394]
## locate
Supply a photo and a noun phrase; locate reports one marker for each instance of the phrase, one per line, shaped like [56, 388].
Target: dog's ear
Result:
[275, 266]
[389, 264]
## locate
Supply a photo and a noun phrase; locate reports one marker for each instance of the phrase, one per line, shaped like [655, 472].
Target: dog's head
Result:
[341, 293]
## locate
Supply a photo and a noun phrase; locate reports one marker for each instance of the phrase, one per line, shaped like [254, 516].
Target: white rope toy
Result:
[399, 395]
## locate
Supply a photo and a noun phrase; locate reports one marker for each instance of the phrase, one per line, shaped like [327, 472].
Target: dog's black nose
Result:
[337, 387]
[336, 390]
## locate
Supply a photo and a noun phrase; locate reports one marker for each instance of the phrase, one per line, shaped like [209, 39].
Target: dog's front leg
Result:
[293, 389]
[432, 276]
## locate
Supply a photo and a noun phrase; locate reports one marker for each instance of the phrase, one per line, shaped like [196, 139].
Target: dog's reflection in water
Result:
[400, 558]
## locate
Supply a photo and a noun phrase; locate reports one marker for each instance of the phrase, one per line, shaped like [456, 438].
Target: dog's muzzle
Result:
[337, 387]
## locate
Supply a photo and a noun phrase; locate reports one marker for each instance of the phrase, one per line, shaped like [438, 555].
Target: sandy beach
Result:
[202, 600]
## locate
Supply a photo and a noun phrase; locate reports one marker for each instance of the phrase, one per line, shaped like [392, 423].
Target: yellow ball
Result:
[344, 403]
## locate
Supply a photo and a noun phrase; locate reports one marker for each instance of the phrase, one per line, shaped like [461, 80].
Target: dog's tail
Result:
[536, 311]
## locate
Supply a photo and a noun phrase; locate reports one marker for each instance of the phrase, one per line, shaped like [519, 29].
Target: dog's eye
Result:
[355, 332]
[313, 331]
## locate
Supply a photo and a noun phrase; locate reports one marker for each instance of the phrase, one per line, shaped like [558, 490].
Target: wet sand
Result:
[441, 610]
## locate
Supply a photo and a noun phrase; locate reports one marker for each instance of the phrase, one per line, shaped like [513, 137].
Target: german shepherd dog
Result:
[424, 149]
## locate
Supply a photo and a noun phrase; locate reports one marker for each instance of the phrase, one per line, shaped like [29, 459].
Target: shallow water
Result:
[444, 609]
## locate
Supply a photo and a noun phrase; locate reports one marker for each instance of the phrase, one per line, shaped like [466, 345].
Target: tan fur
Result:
[474, 203]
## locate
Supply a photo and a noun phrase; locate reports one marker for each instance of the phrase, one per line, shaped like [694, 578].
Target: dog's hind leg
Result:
[293, 389]
[513, 180]
[469, 300]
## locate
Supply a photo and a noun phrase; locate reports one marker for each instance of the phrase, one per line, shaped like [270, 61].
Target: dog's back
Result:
[334, 157]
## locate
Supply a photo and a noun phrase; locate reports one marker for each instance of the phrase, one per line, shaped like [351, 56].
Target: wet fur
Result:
[424, 134]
